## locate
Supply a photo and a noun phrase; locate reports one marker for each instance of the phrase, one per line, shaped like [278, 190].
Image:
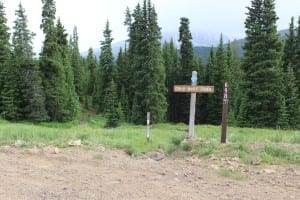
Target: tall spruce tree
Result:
[186, 67]
[290, 62]
[113, 110]
[289, 51]
[133, 23]
[58, 78]
[234, 83]
[217, 78]
[70, 99]
[230, 80]
[4, 39]
[296, 66]
[85, 82]
[8, 104]
[51, 69]
[172, 66]
[9, 99]
[92, 80]
[22, 36]
[108, 70]
[124, 105]
[262, 85]
[229, 64]
[9, 92]
[149, 89]
[123, 79]
[77, 65]
[31, 100]
[120, 62]
[123, 70]
[204, 102]
[292, 99]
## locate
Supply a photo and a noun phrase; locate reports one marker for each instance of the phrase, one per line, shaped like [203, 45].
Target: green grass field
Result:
[270, 146]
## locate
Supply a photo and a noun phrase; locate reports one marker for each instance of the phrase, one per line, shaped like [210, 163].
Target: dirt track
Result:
[75, 173]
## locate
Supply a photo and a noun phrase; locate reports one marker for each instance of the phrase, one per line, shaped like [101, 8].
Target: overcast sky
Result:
[90, 16]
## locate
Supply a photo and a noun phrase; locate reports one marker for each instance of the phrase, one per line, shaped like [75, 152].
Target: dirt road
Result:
[75, 173]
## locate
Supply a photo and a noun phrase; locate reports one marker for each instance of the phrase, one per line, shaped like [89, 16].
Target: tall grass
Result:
[128, 136]
[241, 142]
[272, 146]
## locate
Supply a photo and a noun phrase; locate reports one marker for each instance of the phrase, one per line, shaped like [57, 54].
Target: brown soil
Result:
[75, 173]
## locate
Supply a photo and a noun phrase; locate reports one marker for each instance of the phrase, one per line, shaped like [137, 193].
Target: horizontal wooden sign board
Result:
[194, 89]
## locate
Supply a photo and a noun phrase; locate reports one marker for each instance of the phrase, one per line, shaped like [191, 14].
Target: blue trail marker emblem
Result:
[194, 78]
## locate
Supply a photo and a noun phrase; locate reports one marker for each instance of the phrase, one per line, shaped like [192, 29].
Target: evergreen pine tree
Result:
[147, 66]
[217, 79]
[234, 84]
[51, 70]
[133, 23]
[128, 19]
[204, 98]
[92, 68]
[230, 80]
[112, 112]
[8, 104]
[22, 36]
[122, 68]
[77, 65]
[4, 39]
[283, 122]
[58, 78]
[123, 79]
[108, 71]
[296, 66]
[30, 96]
[291, 65]
[124, 104]
[9, 91]
[69, 98]
[292, 100]
[289, 51]
[262, 85]
[186, 67]
[172, 66]
[229, 64]
[85, 81]
[155, 98]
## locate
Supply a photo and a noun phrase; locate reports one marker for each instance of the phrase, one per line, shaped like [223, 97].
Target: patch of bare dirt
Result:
[75, 173]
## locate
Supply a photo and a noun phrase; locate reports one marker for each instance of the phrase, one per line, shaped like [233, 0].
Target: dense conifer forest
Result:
[59, 84]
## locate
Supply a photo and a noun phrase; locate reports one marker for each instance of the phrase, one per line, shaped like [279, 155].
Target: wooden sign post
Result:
[224, 113]
[192, 107]
[193, 89]
[148, 127]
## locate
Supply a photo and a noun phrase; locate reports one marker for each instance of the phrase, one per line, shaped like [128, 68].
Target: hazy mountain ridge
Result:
[204, 39]
[203, 51]
[200, 39]
[202, 42]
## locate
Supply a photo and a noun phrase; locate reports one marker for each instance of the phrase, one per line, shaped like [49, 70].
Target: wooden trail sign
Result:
[193, 89]
[224, 113]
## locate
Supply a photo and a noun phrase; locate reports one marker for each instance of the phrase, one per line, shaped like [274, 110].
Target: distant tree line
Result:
[59, 84]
